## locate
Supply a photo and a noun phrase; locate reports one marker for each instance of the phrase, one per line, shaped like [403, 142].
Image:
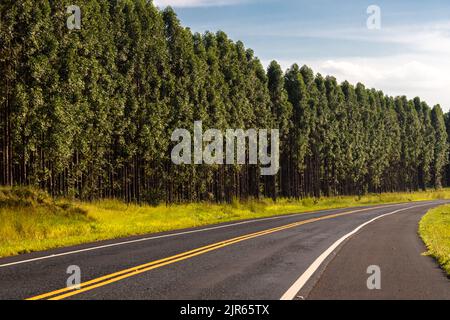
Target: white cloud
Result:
[427, 37]
[410, 75]
[422, 69]
[195, 3]
[432, 38]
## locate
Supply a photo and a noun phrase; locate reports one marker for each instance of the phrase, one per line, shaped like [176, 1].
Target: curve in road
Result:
[257, 259]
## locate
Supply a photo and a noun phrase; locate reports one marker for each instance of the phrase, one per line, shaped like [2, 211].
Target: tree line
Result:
[89, 113]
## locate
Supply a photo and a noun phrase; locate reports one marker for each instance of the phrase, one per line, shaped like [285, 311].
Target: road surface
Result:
[321, 255]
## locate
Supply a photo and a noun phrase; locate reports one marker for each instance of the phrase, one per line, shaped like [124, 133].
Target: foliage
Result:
[89, 113]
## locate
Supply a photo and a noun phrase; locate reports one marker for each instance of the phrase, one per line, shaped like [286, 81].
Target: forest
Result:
[89, 113]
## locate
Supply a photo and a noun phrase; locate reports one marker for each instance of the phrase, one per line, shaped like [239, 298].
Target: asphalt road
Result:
[322, 255]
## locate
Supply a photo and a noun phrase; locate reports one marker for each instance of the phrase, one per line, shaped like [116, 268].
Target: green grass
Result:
[435, 232]
[30, 220]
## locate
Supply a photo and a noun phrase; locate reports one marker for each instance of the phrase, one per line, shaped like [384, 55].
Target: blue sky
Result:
[409, 55]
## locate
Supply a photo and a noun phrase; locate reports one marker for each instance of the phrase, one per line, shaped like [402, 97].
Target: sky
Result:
[408, 55]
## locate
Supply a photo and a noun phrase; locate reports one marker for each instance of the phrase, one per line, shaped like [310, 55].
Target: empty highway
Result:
[320, 255]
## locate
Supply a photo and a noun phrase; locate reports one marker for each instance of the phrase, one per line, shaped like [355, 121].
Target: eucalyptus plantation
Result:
[89, 113]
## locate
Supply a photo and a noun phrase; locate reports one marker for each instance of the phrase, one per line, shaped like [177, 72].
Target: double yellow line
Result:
[127, 273]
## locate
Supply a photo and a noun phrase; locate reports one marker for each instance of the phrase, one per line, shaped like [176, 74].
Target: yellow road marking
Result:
[130, 272]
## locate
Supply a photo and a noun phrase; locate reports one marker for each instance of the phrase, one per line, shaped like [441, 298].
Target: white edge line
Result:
[300, 283]
[182, 233]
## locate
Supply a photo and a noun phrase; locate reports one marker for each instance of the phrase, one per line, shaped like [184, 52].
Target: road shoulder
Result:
[393, 244]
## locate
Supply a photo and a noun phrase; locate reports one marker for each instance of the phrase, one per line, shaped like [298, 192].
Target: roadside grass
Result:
[435, 231]
[30, 220]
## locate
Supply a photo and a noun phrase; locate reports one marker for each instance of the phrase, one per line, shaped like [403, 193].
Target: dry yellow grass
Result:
[435, 231]
[31, 221]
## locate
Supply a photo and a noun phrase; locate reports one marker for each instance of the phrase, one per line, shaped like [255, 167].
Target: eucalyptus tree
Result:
[440, 148]
[299, 136]
[282, 114]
